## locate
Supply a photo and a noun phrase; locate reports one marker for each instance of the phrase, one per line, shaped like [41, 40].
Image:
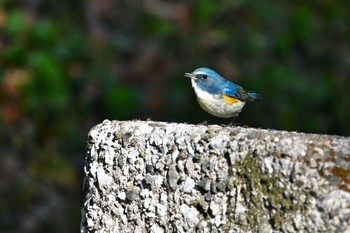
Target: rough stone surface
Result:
[160, 177]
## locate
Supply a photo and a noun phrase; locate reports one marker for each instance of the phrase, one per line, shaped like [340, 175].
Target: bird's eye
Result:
[205, 76]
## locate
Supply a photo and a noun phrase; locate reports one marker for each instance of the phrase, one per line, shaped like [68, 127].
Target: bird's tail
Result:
[254, 96]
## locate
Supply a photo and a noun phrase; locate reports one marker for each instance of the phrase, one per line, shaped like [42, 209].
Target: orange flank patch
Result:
[229, 99]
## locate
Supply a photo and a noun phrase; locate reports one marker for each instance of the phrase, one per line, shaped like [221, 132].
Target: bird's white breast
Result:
[215, 104]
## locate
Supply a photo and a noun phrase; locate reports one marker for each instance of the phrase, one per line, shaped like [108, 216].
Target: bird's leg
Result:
[232, 120]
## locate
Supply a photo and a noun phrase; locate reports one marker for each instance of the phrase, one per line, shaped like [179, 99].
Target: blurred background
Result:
[65, 66]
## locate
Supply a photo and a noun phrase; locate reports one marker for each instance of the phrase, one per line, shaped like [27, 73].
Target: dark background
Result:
[65, 66]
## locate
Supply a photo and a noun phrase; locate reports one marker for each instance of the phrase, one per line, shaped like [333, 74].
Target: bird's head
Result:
[206, 79]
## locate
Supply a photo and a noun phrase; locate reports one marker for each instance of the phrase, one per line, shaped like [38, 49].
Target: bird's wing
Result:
[236, 92]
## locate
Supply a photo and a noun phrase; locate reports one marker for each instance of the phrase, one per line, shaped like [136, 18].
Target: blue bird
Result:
[218, 96]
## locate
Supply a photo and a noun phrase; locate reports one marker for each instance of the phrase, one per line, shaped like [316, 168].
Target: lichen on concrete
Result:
[144, 176]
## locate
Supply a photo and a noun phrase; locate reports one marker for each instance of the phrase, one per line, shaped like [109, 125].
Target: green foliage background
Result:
[68, 65]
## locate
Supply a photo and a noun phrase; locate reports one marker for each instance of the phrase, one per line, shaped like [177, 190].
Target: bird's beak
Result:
[190, 75]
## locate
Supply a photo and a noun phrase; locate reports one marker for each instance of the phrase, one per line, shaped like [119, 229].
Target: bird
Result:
[219, 96]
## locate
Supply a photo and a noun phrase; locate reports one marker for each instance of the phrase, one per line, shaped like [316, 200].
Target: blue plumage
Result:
[218, 96]
[254, 96]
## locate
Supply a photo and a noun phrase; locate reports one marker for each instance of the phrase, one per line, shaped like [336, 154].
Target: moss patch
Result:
[261, 192]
